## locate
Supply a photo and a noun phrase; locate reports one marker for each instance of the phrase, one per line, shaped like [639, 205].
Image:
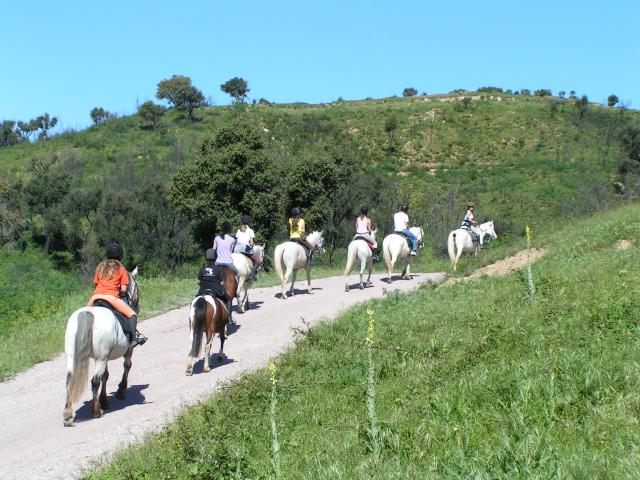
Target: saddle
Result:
[402, 234]
[358, 237]
[122, 320]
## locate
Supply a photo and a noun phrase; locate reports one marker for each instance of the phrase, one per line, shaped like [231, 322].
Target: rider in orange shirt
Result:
[111, 280]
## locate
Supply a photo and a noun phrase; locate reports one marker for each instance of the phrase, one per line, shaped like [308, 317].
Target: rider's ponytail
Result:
[294, 223]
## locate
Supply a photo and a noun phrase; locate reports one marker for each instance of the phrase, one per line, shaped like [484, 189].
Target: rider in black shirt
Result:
[210, 276]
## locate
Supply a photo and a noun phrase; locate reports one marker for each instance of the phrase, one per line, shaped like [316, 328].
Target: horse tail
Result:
[351, 257]
[452, 247]
[199, 318]
[386, 252]
[77, 381]
[277, 254]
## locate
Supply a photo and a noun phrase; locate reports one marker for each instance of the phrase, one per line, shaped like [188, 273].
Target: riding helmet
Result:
[114, 251]
[470, 205]
[246, 220]
[210, 254]
[295, 211]
[404, 207]
[364, 210]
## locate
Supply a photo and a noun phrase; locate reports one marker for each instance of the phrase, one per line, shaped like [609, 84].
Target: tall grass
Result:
[470, 382]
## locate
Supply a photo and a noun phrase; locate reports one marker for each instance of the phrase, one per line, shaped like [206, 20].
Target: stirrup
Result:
[139, 339]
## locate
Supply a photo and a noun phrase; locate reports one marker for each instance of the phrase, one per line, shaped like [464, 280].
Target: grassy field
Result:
[475, 380]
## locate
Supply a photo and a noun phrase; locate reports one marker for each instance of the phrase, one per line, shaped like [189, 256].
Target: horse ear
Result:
[134, 272]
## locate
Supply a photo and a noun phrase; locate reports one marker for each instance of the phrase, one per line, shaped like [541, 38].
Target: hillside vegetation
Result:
[473, 380]
[162, 189]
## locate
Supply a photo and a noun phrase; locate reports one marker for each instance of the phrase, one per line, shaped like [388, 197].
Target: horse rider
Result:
[363, 230]
[210, 278]
[297, 233]
[111, 280]
[223, 245]
[401, 225]
[245, 238]
[469, 223]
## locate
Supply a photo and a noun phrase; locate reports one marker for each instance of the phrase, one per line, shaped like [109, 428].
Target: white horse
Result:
[460, 241]
[289, 257]
[94, 332]
[359, 249]
[394, 247]
[244, 265]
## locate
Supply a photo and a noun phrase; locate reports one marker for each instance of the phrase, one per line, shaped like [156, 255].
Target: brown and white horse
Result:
[207, 315]
[94, 332]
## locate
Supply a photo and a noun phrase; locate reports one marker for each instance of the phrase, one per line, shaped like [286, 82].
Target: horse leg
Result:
[101, 366]
[67, 415]
[406, 271]
[230, 309]
[245, 299]
[122, 386]
[287, 273]
[221, 354]
[104, 401]
[363, 264]
[309, 289]
[239, 292]
[293, 282]
[207, 348]
[370, 262]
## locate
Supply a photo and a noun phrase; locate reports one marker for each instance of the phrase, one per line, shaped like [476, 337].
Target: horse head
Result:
[132, 290]
[316, 239]
[373, 233]
[487, 229]
[258, 251]
[419, 233]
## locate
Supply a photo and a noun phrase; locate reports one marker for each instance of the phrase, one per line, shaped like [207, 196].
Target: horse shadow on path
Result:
[398, 277]
[213, 363]
[134, 397]
[298, 291]
[252, 306]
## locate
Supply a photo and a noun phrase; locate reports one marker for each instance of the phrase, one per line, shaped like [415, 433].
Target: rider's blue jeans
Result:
[412, 237]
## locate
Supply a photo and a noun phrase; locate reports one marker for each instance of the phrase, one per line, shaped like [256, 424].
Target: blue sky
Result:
[67, 57]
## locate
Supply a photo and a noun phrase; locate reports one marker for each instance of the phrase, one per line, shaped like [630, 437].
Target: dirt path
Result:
[502, 267]
[33, 442]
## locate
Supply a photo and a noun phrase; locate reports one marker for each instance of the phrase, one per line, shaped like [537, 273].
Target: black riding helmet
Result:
[364, 210]
[210, 254]
[246, 220]
[114, 251]
[295, 211]
[404, 208]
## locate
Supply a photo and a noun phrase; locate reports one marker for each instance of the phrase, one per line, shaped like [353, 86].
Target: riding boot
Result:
[134, 337]
[254, 272]
[310, 258]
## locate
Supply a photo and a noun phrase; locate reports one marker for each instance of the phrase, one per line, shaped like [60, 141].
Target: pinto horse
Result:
[230, 285]
[208, 314]
[94, 332]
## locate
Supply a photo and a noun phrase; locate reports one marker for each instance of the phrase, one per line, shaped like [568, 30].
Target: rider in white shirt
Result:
[469, 223]
[401, 224]
[245, 237]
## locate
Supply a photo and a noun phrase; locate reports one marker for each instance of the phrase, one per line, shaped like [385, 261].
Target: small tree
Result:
[8, 134]
[562, 93]
[582, 105]
[466, 101]
[236, 87]
[525, 91]
[572, 94]
[151, 113]
[181, 94]
[409, 92]
[390, 126]
[612, 100]
[25, 129]
[542, 92]
[44, 123]
[99, 115]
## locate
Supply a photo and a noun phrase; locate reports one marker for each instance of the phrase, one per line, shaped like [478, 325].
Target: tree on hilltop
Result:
[562, 93]
[9, 135]
[237, 88]
[542, 92]
[612, 100]
[44, 123]
[151, 113]
[99, 115]
[409, 92]
[26, 129]
[179, 91]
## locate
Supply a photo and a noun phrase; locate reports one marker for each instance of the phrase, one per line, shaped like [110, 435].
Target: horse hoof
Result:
[69, 422]
[189, 372]
[120, 394]
[104, 404]
[98, 414]
[206, 370]
[221, 357]
[361, 286]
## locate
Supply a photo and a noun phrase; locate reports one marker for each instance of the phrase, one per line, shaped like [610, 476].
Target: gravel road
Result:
[33, 442]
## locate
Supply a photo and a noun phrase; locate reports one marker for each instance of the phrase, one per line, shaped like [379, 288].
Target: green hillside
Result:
[474, 380]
